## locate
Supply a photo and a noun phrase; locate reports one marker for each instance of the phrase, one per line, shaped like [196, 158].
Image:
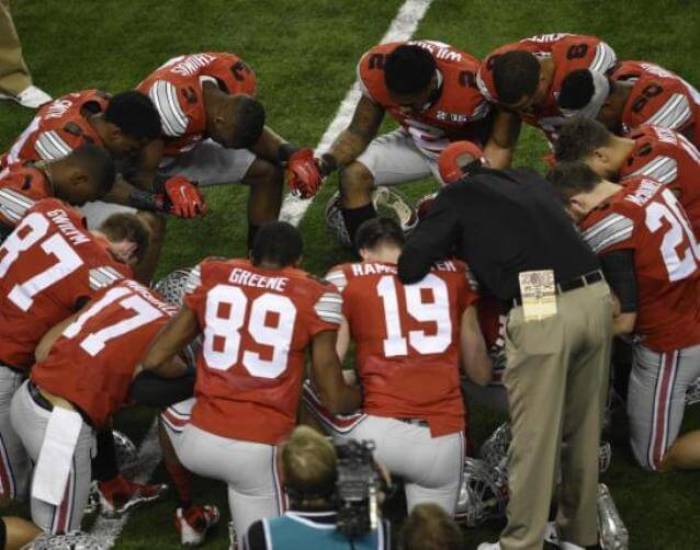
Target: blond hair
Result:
[309, 464]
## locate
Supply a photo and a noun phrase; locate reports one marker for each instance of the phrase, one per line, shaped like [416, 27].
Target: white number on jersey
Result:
[680, 263]
[222, 332]
[436, 311]
[95, 342]
[32, 229]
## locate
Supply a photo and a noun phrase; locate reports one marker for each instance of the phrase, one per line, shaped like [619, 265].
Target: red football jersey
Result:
[647, 218]
[49, 266]
[92, 363]
[407, 340]
[59, 127]
[667, 157]
[451, 116]
[176, 91]
[257, 325]
[568, 52]
[659, 98]
[21, 184]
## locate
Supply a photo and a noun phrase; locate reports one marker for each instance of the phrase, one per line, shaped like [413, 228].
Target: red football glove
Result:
[184, 198]
[302, 174]
[454, 162]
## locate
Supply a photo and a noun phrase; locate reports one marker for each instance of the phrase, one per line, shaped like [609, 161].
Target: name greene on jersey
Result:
[247, 278]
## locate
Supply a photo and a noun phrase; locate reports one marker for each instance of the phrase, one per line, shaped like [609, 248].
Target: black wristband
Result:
[285, 151]
[145, 200]
[328, 164]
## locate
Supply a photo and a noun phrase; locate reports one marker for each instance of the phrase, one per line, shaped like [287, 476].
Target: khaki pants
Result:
[14, 75]
[556, 377]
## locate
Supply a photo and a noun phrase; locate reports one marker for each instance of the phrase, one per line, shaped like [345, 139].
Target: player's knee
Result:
[355, 178]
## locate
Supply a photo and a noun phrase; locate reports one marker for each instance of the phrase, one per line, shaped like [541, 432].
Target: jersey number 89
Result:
[228, 310]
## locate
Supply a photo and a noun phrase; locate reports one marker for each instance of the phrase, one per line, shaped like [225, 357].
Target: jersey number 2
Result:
[680, 263]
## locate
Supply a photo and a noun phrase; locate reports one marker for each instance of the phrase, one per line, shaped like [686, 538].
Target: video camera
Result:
[357, 488]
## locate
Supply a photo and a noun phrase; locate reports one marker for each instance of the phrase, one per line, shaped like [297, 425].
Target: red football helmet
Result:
[456, 160]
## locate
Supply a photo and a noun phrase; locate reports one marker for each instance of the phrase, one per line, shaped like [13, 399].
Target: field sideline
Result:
[304, 54]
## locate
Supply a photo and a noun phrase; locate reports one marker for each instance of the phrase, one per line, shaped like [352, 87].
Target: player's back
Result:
[176, 91]
[647, 218]
[93, 361]
[59, 127]
[670, 158]
[459, 104]
[659, 97]
[20, 185]
[49, 265]
[407, 339]
[257, 325]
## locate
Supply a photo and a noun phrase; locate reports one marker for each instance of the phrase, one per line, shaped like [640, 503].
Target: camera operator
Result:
[315, 480]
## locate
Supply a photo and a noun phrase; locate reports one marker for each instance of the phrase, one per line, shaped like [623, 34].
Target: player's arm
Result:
[475, 359]
[269, 144]
[147, 164]
[327, 375]
[504, 136]
[343, 342]
[352, 141]
[432, 240]
[618, 267]
[47, 341]
[162, 357]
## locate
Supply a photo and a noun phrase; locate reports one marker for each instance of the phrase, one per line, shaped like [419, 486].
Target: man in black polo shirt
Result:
[522, 247]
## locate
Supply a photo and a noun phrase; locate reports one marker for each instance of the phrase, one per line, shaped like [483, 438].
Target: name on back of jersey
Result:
[244, 277]
[192, 64]
[67, 227]
[644, 192]
[369, 268]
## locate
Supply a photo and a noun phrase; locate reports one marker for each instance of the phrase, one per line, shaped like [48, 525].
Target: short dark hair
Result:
[515, 74]
[379, 231]
[278, 243]
[127, 227]
[429, 527]
[578, 137]
[134, 114]
[249, 122]
[577, 89]
[570, 178]
[98, 163]
[409, 69]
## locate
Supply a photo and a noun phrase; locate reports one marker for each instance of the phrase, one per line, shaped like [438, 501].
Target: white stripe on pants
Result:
[656, 400]
[248, 468]
[30, 421]
[15, 466]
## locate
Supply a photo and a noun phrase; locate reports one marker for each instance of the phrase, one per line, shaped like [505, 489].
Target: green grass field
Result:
[305, 54]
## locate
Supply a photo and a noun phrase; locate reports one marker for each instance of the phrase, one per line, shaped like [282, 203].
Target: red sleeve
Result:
[658, 102]
[608, 232]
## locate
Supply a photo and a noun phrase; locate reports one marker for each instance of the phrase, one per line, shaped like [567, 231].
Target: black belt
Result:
[414, 422]
[572, 284]
[38, 398]
[45, 404]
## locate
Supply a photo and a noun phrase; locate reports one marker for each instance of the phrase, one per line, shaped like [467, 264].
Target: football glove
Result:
[302, 174]
[182, 198]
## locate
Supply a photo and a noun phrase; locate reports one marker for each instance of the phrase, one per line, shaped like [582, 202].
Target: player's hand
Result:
[302, 174]
[184, 198]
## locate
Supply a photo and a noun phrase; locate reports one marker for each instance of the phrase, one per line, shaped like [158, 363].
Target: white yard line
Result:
[293, 209]
[402, 28]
